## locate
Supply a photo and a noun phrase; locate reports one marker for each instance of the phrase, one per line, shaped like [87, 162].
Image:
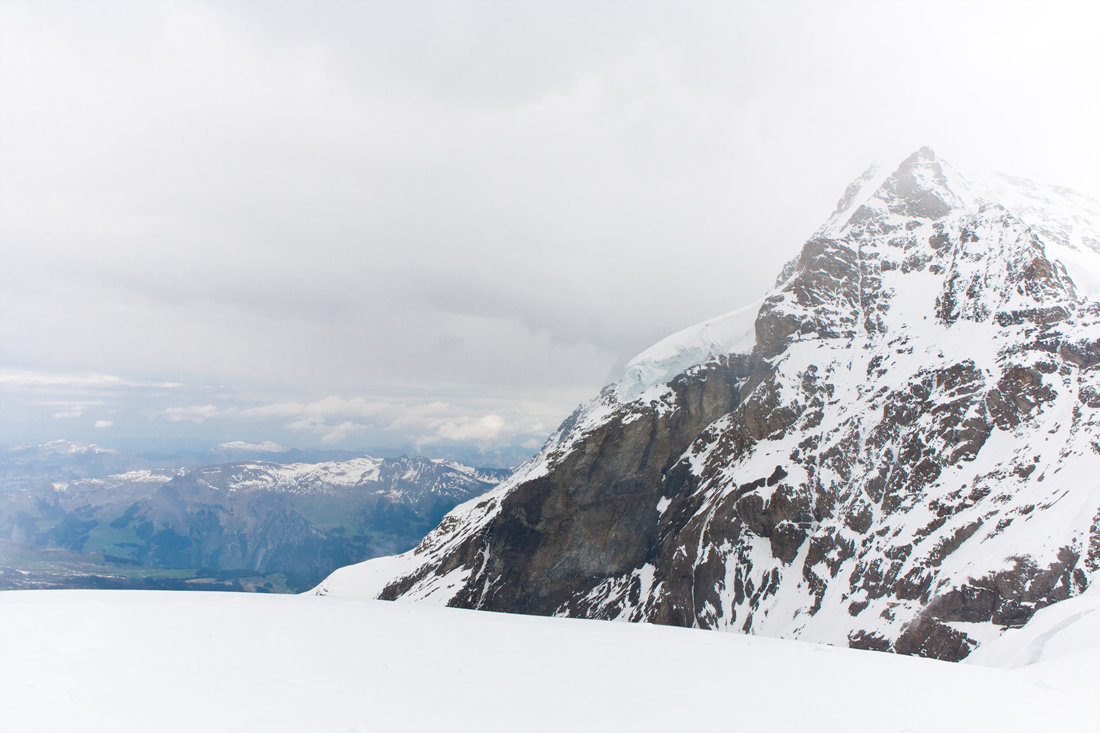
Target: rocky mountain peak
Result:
[918, 188]
[899, 455]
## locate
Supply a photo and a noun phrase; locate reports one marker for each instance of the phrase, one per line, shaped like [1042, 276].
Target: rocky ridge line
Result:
[905, 461]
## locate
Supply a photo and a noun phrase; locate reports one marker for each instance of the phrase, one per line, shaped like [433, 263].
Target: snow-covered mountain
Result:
[897, 449]
[23, 466]
[301, 519]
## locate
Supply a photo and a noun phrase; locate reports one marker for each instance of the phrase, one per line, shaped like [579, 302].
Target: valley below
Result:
[243, 526]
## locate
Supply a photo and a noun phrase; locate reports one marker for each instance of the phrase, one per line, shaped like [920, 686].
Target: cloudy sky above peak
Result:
[445, 224]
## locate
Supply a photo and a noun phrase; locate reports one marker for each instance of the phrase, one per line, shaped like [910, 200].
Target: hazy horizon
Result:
[442, 226]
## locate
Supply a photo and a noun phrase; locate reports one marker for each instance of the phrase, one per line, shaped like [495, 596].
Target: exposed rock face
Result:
[907, 460]
[592, 517]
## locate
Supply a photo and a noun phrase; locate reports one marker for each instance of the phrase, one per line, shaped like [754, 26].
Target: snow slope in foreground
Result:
[138, 661]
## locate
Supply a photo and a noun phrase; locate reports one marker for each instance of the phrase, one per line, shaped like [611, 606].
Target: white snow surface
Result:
[137, 661]
[733, 333]
[1066, 633]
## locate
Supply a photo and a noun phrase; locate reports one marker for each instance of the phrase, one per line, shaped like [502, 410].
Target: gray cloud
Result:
[487, 205]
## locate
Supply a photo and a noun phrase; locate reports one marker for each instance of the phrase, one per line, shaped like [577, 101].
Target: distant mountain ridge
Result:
[22, 466]
[303, 520]
[897, 449]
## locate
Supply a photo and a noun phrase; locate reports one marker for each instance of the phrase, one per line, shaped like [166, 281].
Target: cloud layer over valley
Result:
[356, 224]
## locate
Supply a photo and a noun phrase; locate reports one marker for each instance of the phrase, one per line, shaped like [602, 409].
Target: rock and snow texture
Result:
[123, 661]
[398, 479]
[904, 455]
[1067, 632]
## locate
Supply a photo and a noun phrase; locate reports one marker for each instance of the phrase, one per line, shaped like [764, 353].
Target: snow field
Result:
[139, 661]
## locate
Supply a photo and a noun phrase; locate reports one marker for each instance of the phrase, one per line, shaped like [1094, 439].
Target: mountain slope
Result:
[901, 457]
[300, 519]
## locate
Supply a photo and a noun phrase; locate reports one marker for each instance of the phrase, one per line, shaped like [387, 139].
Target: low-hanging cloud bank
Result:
[473, 203]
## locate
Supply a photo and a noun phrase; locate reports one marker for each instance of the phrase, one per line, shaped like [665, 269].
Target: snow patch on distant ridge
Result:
[266, 447]
[62, 447]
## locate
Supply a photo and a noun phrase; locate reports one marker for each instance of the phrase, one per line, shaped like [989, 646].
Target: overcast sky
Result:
[426, 224]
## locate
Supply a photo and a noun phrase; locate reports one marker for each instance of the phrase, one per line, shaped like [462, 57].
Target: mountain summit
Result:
[896, 449]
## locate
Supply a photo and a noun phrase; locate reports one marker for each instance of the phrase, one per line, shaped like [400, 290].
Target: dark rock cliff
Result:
[906, 461]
